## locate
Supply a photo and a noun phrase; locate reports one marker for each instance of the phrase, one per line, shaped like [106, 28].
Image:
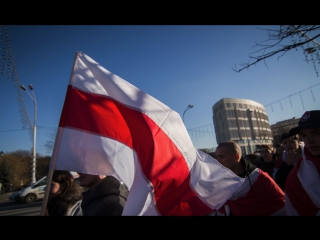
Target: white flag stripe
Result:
[94, 160]
[249, 181]
[310, 180]
[213, 182]
[290, 210]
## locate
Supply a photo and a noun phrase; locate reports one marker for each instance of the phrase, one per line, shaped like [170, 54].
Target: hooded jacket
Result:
[106, 199]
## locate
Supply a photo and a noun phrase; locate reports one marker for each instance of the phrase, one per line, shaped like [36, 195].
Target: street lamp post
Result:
[189, 107]
[33, 165]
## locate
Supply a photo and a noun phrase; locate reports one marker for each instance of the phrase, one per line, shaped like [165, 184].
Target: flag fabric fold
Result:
[108, 126]
[302, 187]
[258, 196]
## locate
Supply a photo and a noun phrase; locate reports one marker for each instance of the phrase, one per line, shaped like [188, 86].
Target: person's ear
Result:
[238, 157]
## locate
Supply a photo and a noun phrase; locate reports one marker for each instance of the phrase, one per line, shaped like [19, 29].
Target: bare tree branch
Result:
[49, 144]
[299, 38]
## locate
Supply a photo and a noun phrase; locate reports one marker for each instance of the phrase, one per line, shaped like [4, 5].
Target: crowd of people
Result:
[282, 180]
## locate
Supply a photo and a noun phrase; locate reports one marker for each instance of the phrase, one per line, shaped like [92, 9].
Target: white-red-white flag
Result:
[108, 126]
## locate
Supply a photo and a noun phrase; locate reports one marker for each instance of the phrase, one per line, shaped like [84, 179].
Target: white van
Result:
[34, 192]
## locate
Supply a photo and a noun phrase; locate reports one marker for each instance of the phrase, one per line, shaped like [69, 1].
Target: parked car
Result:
[14, 195]
[35, 192]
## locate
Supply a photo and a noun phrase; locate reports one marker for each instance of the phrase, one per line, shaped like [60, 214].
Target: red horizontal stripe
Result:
[161, 161]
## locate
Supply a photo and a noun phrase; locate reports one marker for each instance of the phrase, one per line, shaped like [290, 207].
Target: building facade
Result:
[282, 127]
[243, 121]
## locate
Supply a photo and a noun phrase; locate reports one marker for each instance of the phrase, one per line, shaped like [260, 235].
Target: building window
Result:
[243, 149]
[234, 105]
[243, 133]
[228, 105]
[254, 123]
[236, 134]
[240, 105]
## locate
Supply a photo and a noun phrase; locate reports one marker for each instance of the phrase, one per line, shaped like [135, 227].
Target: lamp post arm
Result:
[184, 113]
[189, 107]
[30, 95]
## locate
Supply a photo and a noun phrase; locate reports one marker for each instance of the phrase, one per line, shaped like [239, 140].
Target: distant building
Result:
[282, 127]
[243, 121]
[207, 150]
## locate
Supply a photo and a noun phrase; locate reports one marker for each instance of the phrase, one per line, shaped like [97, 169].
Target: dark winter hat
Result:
[309, 120]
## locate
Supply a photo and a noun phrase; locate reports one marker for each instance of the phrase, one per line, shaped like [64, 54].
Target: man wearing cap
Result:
[302, 187]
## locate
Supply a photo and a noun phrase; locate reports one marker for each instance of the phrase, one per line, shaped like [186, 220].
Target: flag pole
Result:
[54, 155]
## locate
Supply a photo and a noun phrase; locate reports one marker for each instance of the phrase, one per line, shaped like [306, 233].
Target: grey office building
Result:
[243, 121]
[283, 127]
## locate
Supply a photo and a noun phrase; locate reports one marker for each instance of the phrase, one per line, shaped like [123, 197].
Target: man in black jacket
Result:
[106, 195]
[259, 195]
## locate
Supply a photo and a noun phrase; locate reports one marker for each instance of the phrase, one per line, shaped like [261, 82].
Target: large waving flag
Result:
[108, 126]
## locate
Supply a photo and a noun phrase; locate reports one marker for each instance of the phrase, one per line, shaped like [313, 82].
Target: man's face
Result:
[226, 158]
[266, 154]
[311, 139]
[87, 180]
[289, 144]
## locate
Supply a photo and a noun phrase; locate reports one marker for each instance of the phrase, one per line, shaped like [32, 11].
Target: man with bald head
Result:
[229, 155]
[258, 196]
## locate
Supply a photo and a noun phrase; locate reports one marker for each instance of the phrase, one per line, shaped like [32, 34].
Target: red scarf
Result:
[263, 198]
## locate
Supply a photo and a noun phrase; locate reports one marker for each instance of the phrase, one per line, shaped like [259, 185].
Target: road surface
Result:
[11, 208]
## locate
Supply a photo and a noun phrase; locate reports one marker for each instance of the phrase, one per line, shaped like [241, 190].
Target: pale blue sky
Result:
[177, 64]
